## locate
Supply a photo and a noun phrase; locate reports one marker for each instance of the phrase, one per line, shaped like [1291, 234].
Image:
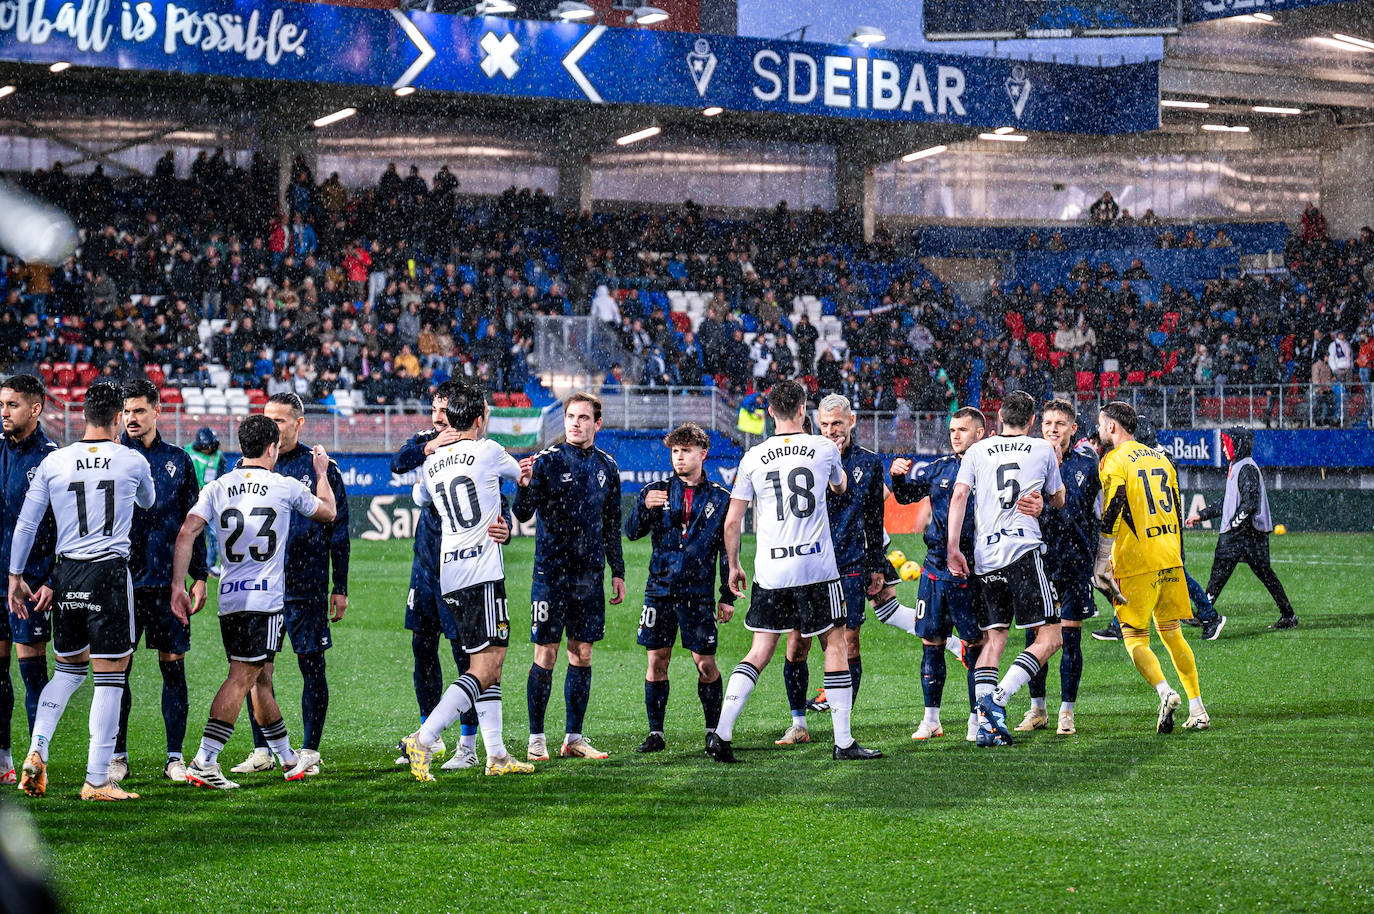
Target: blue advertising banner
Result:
[1194, 447]
[953, 19]
[320, 43]
[1199, 10]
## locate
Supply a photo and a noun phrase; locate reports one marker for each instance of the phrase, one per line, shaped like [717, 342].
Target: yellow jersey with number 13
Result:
[1141, 510]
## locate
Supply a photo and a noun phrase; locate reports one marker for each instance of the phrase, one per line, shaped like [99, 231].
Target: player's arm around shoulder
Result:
[326, 510]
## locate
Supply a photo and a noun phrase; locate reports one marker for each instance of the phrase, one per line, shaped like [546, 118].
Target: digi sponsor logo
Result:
[462, 555]
[787, 552]
[228, 587]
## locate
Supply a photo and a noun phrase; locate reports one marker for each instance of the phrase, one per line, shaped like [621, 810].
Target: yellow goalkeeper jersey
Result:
[1140, 508]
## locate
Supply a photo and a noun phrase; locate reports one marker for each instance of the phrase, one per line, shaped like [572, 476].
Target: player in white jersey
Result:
[463, 481]
[250, 507]
[92, 486]
[796, 582]
[1007, 545]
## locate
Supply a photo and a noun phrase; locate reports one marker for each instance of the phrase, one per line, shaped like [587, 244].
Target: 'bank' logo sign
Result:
[1191, 448]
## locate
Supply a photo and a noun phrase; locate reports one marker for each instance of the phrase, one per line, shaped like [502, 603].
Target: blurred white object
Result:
[34, 230]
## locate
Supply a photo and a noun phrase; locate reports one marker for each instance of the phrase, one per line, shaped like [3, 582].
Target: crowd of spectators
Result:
[393, 287]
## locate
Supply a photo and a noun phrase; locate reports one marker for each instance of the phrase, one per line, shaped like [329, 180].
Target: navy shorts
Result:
[307, 624]
[36, 629]
[575, 606]
[153, 616]
[943, 607]
[855, 587]
[664, 617]
[426, 613]
[1075, 599]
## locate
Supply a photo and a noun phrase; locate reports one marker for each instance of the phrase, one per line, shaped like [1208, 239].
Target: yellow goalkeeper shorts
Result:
[1160, 594]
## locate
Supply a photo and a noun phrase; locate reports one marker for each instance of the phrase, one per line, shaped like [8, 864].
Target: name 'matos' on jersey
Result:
[1141, 510]
[251, 510]
[1000, 470]
[463, 482]
[93, 487]
[787, 479]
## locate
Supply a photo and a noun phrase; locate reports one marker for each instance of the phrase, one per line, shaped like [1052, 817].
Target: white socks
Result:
[1038, 704]
[109, 693]
[1162, 687]
[458, 698]
[490, 722]
[742, 682]
[896, 615]
[932, 717]
[1022, 669]
[66, 679]
[839, 691]
[1195, 707]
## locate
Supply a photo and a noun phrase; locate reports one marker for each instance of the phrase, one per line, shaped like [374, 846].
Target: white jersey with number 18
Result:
[787, 478]
[463, 482]
[1000, 470]
[250, 509]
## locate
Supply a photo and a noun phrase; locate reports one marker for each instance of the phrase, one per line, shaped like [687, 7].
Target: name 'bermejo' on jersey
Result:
[251, 509]
[463, 481]
[788, 475]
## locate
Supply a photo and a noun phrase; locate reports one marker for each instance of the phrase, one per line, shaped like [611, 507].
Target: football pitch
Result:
[1270, 811]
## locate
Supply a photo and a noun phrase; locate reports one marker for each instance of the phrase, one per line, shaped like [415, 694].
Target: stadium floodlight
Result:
[1341, 44]
[403, 91]
[924, 153]
[572, 11]
[340, 115]
[1181, 103]
[712, 111]
[59, 66]
[1226, 128]
[638, 135]
[1273, 109]
[646, 15]
[867, 36]
[1361, 43]
[7, 90]
[1003, 131]
[1004, 137]
[1262, 17]
[495, 8]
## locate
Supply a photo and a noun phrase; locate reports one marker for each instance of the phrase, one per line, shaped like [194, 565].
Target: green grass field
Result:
[1270, 811]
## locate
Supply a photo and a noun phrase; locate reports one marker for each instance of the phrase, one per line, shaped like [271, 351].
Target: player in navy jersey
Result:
[152, 541]
[93, 486]
[317, 556]
[856, 529]
[574, 488]
[685, 515]
[1071, 539]
[22, 449]
[945, 603]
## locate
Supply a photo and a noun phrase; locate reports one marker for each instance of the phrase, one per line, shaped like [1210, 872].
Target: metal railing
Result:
[1339, 405]
[580, 345]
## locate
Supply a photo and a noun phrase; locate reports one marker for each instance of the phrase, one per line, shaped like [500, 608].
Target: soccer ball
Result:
[909, 571]
[1280, 529]
[897, 557]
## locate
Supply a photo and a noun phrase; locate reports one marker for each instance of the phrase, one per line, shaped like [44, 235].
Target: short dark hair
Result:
[447, 389]
[584, 397]
[466, 406]
[142, 388]
[104, 403]
[256, 435]
[25, 384]
[688, 434]
[1060, 405]
[971, 412]
[1123, 414]
[291, 400]
[1018, 409]
[787, 398]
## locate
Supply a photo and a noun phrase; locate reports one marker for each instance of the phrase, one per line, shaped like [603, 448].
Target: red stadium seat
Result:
[170, 395]
[61, 394]
[81, 366]
[1134, 378]
[45, 372]
[500, 398]
[899, 386]
[1111, 380]
[1086, 381]
[257, 397]
[85, 375]
[78, 394]
[59, 366]
[1016, 325]
[520, 400]
[1170, 361]
[1038, 345]
[1170, 322]
[1057, 357]
[64, 377]
[990, 407]
[155, 375]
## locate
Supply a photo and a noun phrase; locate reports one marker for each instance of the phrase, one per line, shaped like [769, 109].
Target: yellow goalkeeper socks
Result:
[1182, 655]
[1138, 646]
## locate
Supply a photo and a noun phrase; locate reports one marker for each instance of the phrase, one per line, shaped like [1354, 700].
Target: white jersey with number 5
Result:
[93, 487]
[786, 477]
[1000, 470]
[463, 482]
[250, 509]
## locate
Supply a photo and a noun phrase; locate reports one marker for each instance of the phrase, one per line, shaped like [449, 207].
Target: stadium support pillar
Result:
[1347, 172]
[285, 140]
[854, 191]
[574, 160]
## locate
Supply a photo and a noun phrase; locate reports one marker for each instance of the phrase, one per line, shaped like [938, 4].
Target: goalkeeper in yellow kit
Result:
[1140, 560]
